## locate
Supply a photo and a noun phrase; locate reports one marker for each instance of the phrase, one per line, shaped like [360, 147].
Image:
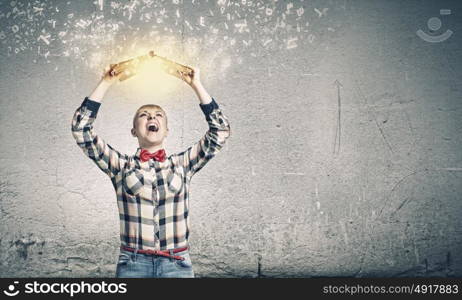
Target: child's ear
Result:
[133, 132]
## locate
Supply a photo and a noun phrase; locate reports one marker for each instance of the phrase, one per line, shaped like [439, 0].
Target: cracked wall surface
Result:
[344, 157]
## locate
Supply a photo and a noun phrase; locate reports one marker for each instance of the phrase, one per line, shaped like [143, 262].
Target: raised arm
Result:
[109, 160]
[196, 156]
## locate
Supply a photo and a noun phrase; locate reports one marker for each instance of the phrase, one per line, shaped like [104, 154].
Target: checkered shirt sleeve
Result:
[109, 160]
[196, 156]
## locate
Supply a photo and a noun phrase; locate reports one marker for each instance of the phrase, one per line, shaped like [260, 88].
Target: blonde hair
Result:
[149, 106]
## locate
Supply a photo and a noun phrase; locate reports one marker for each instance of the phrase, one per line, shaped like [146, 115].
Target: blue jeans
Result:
[139, 265]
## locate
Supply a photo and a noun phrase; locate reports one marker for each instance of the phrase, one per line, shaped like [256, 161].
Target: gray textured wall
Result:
[345, 152]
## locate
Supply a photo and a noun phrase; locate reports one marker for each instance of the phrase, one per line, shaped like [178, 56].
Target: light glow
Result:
[151, 81]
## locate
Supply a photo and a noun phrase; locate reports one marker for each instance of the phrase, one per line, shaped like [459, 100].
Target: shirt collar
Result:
[137, 154]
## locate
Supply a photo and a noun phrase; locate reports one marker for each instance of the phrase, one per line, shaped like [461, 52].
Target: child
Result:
[152, 187]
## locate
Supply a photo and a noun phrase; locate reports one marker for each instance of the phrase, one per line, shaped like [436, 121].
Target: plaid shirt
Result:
[152, 196]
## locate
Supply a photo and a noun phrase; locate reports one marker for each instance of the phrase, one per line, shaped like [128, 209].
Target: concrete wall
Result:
[344, 158]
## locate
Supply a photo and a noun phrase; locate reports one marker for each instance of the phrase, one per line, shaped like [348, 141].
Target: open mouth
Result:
[153, 128]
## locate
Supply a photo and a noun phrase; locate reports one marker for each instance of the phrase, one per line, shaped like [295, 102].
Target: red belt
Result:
[165, 253]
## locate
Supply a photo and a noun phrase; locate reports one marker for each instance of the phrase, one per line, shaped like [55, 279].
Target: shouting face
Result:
[150, 126]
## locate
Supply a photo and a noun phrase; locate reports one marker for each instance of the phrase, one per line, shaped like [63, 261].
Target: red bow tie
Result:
[159, 155]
